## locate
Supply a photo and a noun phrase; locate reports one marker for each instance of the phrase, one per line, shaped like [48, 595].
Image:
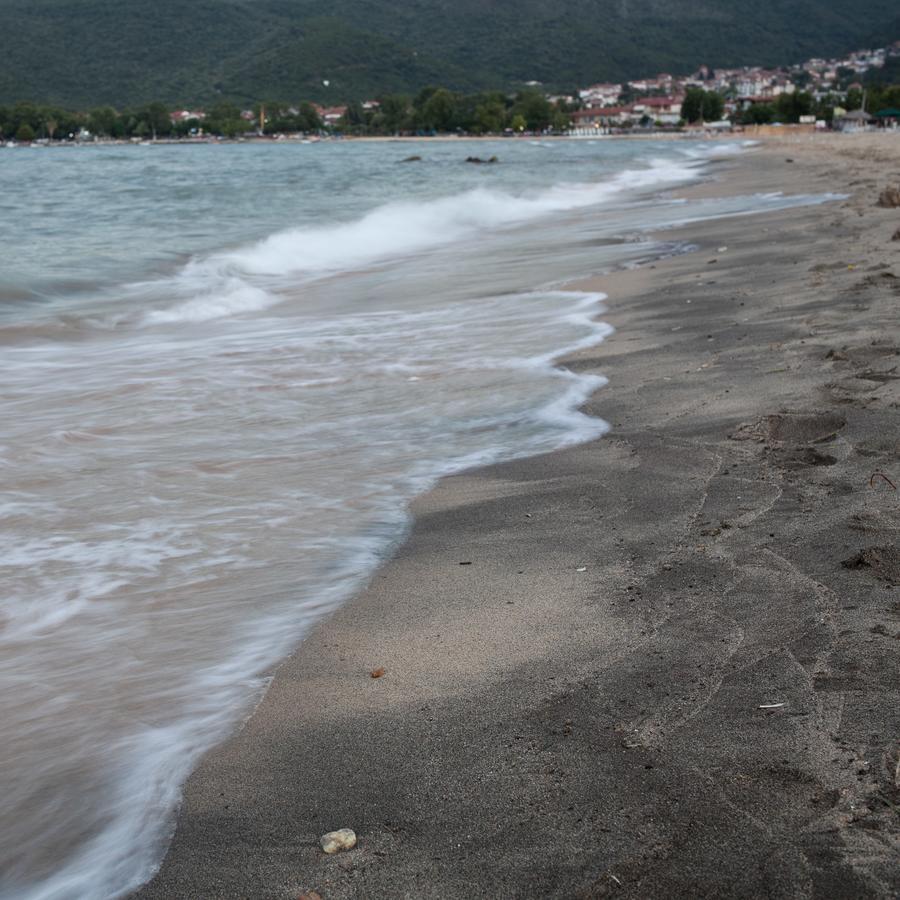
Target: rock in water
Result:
[335, 841]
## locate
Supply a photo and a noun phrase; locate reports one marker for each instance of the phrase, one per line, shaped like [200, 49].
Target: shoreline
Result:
[790, 132]
[656, 588]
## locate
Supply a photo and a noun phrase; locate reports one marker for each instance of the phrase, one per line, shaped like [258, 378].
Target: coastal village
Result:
[839, 94]
[658, 101]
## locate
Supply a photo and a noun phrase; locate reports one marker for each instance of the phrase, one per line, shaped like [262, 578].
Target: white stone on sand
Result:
[335, 841]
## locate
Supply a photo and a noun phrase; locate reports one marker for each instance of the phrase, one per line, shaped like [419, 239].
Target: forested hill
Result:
[88, 52]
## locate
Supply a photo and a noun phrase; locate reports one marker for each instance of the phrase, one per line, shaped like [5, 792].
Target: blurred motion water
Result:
[225, 371]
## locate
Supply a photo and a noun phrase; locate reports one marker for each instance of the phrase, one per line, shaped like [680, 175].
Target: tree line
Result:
[432, 110]
[437, 109]
[30, 121]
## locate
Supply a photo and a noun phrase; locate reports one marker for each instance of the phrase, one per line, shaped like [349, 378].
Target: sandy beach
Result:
[661, 664]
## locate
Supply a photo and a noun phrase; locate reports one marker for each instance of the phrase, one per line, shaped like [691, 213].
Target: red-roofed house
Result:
[183, 115]
[602, 117]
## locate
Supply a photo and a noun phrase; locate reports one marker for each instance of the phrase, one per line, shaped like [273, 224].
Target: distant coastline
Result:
[751, 133]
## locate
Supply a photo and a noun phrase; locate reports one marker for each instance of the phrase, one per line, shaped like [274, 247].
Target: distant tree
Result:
[308, 119]
[439, 112]
[854, 99]
[561, 120]
[157, 119]
[424, 95]
[692, 105]
[758, 114]
[518, 122]
[25, 133]
[25, 114]
[489, 117]
[355, 116]
[395, 109]
[231, 128]
[824, 109]
[224, 110]
[225, 119]
[713, 106]
[102, 120]
[789, 107]
[535, 108]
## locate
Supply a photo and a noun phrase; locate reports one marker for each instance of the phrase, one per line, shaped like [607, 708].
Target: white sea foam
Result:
[248, 279]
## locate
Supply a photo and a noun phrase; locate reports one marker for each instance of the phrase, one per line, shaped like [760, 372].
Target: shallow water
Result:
[225, 372]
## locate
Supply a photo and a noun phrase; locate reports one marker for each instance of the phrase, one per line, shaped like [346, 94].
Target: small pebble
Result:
[335, 841]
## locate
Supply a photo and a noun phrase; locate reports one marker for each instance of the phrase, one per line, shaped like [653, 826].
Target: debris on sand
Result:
[378, 673]
[336, 841]
[889, 198]
[883, 477]
[884, 562]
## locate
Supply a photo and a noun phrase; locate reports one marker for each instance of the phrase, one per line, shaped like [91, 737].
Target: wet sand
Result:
[662, 664]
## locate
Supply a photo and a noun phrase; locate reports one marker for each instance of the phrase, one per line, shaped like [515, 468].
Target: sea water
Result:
[225, 370]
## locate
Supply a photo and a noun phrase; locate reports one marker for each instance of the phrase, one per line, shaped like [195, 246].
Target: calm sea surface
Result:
[224, 372]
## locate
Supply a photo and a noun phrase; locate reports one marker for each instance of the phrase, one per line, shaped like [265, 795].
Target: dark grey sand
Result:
[543, 731]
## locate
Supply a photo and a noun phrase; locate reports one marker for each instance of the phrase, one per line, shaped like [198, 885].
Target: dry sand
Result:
[710, 708]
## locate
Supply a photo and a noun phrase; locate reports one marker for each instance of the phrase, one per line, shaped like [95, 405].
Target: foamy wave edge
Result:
[155, 763]
[248, 279]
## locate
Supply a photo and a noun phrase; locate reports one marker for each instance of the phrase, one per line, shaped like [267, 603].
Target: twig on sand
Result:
[616, 880]
[881, 475]
[771, 705]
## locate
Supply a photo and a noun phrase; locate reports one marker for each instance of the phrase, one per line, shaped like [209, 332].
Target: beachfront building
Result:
[330, 115]
[602, 120]
[857, 120]
[666, 110]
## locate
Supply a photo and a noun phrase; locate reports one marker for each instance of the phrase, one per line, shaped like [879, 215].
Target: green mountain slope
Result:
[86, 52]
